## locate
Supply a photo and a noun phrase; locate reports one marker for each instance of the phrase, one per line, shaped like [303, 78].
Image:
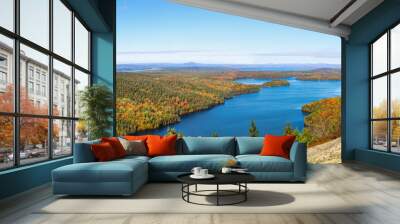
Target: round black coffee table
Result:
[238, 179]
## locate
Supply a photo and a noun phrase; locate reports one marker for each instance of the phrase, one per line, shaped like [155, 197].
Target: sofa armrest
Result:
[83, 152]
[298, 155]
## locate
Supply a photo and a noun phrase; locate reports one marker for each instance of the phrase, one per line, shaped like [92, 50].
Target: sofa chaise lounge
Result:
[125, 176]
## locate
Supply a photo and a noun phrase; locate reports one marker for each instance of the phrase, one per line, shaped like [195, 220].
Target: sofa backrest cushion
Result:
[208, 145]
[249, 145]
[83, 153]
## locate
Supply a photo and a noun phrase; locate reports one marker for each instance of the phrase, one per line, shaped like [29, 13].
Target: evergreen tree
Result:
[303, 136]
[253, 131]
[173, 131]
[288, 129]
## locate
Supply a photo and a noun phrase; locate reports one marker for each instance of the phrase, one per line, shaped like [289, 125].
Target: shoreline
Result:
[226, 91]
[186, 115]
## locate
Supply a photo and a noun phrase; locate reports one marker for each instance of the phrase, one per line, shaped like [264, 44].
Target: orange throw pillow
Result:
[161, 146]
[277, 145]
[116, 145]
[103, 152]
[136, 137]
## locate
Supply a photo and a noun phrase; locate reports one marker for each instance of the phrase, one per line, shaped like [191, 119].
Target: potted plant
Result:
[97, 104]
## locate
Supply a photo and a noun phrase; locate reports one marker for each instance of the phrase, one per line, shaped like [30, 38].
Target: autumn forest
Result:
[150, 100]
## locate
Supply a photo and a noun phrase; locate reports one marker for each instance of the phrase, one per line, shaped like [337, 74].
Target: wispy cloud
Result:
[162, 52]
[228, 57]
[317, 54]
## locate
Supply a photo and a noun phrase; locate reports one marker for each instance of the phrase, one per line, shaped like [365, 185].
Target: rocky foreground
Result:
[328, 152]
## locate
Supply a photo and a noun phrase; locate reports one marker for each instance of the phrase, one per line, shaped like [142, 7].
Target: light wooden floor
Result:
[378, 189]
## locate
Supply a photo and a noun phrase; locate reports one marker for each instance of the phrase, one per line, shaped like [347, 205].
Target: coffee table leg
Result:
[217, 194]
[188, 189]
[245, 193]
[195, 188]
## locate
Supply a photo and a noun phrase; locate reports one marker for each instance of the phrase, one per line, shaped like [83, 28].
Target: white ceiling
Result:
[322, 9]
[325, 16]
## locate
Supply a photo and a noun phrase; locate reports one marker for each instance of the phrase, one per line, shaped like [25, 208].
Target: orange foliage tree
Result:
[380, 127]
[146, 102]
[323, 120]
[33, 131]
[6, 123]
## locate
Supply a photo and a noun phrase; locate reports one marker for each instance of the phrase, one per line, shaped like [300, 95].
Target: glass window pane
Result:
[6, 74]
[62, 89]
[379, 135]
[395, 136]
[7, 14]
[34, 72]
[81, 82]
[6, 142]
[395, 47]
[81, 131]
[33, 140]
[395, 94]
[81, 45]
[62, 29]
[35, 21]
[62, 138]
[379, 97]
[379, 55]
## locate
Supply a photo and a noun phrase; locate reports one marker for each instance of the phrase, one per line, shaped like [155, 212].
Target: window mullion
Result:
[73, 82]
[371, 142]
[50, 81]
[16, 84]
[389, 101]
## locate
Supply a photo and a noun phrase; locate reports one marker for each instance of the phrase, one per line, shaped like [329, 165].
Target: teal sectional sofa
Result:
[125, 176]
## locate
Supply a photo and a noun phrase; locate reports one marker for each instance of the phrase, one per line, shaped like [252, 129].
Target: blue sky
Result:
[159, 31]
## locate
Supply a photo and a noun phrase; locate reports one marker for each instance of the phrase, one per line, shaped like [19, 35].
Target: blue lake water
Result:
[271, 108]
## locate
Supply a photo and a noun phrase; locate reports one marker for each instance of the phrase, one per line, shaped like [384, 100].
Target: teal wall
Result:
[102, 59]
[103, 63]
[356, 85]
[99, 16]
[24, 178]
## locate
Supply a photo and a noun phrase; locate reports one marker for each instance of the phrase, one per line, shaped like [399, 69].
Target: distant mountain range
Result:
[192, 66]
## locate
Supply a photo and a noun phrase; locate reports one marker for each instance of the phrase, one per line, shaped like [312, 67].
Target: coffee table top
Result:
[220, 178]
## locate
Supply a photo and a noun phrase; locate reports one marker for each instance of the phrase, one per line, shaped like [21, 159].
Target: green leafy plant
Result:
[173, 131]
[97, 104]
[301, 136]
[253, 131]
[214, 134]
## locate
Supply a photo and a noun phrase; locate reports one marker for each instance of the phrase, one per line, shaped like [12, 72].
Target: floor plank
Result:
[376, 190]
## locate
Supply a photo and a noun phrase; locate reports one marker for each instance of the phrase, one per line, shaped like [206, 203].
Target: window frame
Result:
[16, 114]
[388, 74]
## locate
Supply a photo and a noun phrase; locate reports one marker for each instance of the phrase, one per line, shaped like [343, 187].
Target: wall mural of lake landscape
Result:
[186, 81]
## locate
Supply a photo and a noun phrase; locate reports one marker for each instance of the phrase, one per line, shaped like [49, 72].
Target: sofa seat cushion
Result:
[130, 158]
[112, 171]
[257, 163]
[185, 163]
